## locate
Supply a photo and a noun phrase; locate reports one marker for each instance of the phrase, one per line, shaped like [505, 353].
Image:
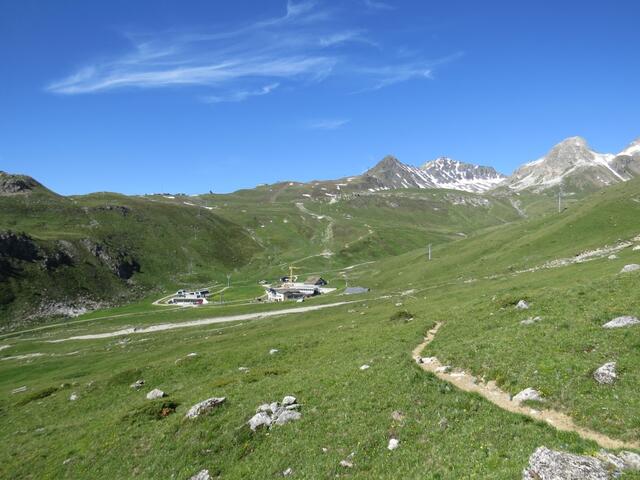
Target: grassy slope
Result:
[110, 431]
[193, 241]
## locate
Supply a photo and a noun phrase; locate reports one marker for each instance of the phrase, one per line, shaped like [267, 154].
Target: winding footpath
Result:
[489, 390]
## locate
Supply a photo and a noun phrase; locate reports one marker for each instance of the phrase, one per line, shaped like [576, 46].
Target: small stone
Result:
[288, 472]
[528, 394]
[346, 463]
[612, 256]
[606, 374]
[530, 320]
[192, 354]
[273, 351]
[260, 419]
[265, 407]
[393, 444]
[399, 304]
[67, 461]
[325, 449]
[19, 390]
[243, 369]
[443, 369]
[293, 406]
[443, 424]
[155, 394]
[397, 416]
[137, 385]
[289, 400]
[204, 406]
[636, 248]
[73, 397]
[632, 267]
[201, 475]
[364, 367]
[522, 305]
[620, 322]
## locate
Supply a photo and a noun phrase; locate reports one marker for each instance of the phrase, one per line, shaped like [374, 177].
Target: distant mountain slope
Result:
[577, 167]
[443, 172]
[455, 175]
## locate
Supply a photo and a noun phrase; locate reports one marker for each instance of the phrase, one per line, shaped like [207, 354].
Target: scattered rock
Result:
[613, 256]
[393, 444]
[528, 394]
[530, 320]
[346, 464]
[204, 406]
[243, 369]
[397, 416]
[201, 475]
[137, 385]
[288, 472]
[606, 374]
[399, 304]
[73, 397]
[289, 400]
[620, 322]
[636, 248]
[632, 267]
[364, 367]
[275, 413]
[19, 390]
[545, 464]
[273, 351]
[287, 416]
[155, 394]
[522, 305]
[258, 420]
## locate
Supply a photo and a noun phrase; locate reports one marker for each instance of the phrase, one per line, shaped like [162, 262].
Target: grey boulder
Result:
[606, 374]
[204, 406]
[620, 322]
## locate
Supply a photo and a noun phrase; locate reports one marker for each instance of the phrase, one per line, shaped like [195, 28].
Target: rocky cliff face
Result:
[574, 164]
[443, 172]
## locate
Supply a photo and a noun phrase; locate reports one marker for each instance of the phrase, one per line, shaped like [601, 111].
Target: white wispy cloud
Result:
[327, 124]
[304, 45]
[378, 5]
[240, 95]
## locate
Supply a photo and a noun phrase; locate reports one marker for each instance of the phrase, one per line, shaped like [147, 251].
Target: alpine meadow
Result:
[273, 294]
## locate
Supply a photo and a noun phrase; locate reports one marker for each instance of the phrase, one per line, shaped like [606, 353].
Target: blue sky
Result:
[148, 96]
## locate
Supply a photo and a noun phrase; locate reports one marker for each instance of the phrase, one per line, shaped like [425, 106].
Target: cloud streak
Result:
[304, 46]
[327, 124]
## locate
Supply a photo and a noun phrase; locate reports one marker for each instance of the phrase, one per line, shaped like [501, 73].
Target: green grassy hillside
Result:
[471, 286]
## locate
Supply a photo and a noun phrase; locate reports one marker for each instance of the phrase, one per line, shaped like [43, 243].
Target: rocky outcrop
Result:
[19, 247]
[547, 464]
[16, 184]
[119, 261]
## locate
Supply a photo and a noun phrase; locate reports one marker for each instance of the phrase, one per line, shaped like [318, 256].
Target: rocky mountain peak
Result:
[16, 184]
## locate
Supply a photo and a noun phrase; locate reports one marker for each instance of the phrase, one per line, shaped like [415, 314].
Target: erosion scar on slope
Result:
[497, 396]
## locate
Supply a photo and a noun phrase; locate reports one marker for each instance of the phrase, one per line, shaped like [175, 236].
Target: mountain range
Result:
[571, 163]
